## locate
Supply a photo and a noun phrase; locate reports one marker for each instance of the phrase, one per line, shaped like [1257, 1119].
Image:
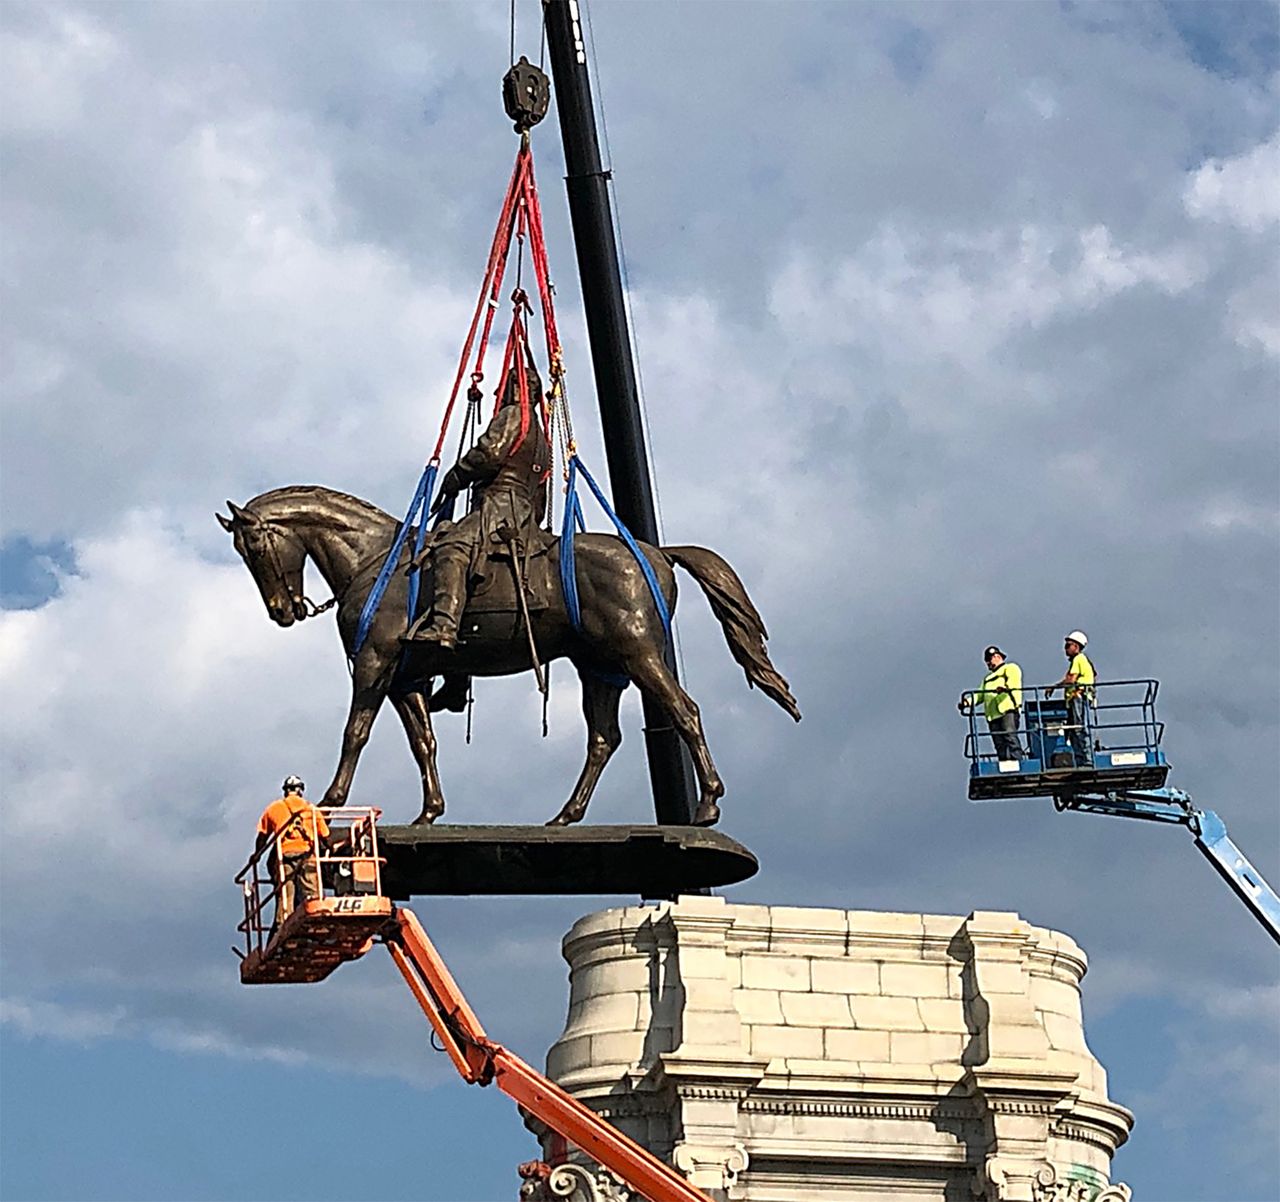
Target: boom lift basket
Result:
[1104, 757]
[1116, 747]
[310, 941]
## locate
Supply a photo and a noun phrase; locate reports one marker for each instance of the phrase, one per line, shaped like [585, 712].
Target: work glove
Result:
[450, 486]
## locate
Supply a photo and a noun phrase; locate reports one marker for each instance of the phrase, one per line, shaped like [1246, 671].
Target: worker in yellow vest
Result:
[297, 831]
[1000, 696]
[1077, 687]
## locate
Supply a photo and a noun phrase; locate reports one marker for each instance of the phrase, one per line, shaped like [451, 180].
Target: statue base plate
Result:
[653, 861]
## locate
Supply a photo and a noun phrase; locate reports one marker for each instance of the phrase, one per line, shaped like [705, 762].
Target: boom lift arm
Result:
[1174, 806]
[338, 925]
[480, 1061]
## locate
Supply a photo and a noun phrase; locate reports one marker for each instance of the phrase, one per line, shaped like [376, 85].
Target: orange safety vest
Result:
[296, 821]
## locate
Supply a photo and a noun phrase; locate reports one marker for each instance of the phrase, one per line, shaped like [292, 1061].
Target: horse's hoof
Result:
[708, 814]
[567, 817]
[427, 817]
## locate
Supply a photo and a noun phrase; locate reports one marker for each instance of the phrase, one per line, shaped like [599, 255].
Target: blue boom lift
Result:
[1113, 764]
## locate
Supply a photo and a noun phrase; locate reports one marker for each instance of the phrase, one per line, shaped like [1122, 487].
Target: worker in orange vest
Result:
[297, 831]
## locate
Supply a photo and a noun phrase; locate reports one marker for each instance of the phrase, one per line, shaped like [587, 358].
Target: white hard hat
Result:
[293, 784]
[1079, 636]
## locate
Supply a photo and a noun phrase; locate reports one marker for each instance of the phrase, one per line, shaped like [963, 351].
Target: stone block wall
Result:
[786, 1054]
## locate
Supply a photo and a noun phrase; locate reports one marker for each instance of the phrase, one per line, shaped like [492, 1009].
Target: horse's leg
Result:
[600, 708]
[653, 676]
[416, 717]
[368, 691]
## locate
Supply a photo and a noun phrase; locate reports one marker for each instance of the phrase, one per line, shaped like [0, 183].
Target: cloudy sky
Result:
[957, 323]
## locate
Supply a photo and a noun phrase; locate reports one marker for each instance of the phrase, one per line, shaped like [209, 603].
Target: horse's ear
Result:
[228, 524]
[243, 515]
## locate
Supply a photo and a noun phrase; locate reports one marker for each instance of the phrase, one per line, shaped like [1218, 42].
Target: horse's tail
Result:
[743, 627]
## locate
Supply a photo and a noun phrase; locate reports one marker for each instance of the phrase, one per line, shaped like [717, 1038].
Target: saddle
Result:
[493, 608]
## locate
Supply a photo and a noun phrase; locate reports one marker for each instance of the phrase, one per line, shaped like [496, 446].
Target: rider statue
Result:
[508, 471]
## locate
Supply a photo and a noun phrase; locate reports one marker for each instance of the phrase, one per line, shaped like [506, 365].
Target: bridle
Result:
[310, 609]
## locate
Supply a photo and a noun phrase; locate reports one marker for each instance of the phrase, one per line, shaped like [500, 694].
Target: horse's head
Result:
[275, 558]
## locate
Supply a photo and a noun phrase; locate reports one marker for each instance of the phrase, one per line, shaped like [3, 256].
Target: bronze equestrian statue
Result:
[621, 630]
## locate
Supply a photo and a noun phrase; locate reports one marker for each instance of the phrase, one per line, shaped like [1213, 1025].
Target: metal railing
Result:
[346, 863]
[1117, 717]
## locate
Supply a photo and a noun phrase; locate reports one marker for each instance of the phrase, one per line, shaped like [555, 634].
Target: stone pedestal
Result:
[783, 1054]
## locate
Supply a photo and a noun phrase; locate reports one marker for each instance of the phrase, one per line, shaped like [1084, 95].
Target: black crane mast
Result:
[670, 767]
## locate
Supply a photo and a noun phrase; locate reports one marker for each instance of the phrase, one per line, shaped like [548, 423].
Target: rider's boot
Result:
[452, 694]
[449, 569]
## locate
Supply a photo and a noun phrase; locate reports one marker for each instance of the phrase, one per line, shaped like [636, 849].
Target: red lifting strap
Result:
[521, 212]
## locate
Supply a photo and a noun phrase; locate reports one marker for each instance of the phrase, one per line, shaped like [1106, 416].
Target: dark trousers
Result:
[299, 882]
[1078, 730]
[1004, 734]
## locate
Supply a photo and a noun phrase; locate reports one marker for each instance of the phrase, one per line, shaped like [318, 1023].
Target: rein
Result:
[314, 610]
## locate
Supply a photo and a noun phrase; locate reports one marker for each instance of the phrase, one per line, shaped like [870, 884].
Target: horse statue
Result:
[621, 637]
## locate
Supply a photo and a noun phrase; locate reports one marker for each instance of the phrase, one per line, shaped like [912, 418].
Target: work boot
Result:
[449, 574]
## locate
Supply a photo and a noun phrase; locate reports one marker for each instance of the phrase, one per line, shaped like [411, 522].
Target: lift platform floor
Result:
[1031, 781]
[317, 937]
[653, 861]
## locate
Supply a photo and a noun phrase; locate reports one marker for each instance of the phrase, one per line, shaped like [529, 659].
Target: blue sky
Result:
[960, 325]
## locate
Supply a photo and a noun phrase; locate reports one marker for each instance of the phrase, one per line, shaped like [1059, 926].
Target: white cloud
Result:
[1243, 190]
[135, 706]
[1240, 196]
[54, 1021]
[901, 368]
[223, 303]
[1225, 1052]
[963, 295]
[52, 70]
[1041, 98]
[1225, 513]
[1254, 312]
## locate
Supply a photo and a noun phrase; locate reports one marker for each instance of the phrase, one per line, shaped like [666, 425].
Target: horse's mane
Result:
[338, 506]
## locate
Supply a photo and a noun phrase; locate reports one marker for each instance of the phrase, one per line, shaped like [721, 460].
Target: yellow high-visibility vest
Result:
[1084, 674]
[994, 703]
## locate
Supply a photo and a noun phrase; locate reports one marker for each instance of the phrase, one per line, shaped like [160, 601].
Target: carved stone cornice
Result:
[871, 1109]
[1097, 1121]
[648, 1104]
[572, 1183]
[733, 1071]
[1049, 1185]
[1012, 1082]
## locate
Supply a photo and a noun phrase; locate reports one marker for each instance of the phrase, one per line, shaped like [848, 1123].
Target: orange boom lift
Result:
[349, 918]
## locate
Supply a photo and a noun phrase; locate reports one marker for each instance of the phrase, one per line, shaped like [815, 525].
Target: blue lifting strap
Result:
[421, 499]
[568, 576]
